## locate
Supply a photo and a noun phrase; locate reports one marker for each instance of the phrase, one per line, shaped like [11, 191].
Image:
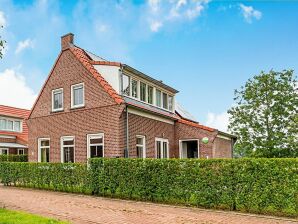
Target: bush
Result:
[267, 186]
[14, 158]
[51, 176]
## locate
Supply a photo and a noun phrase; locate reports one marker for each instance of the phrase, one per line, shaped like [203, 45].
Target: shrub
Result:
[51, 176]
[268, 186]
[13, 158]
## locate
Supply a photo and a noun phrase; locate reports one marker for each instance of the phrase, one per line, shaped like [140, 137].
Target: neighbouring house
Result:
[13, 130]
[91, 107]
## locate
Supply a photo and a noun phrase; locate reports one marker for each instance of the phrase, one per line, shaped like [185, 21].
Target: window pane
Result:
[17, 126]
[9, 125]
[143, 91]
[170, 103]
[140, 141]
[4, 151]
[58, 100]
[134, 88]
[165, 101]
[96, 141]
[158, 149]
[45, 143]
[68, 142]
[150, 94]
[140, 152]
[125, 85]
[2, 124]
[78, 95]
[165, 150]
[21, 151]
[158, 98]
[96, 151]
[45, 155]
[68, 154]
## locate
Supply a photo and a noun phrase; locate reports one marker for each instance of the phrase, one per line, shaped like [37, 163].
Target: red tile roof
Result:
[87, 63]
[112, 63]
[197, 125]
[16, 113]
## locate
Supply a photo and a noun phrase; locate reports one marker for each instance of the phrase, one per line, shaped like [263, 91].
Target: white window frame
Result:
[39, 147]
[13, 124]
[72, 95]
[53, 93]
[1, 151]
[188, 140]
[20, 150]
[67, 138]
[144, 144]
[94, 136]
[162, 140]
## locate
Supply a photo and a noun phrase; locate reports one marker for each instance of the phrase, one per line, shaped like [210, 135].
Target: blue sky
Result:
[205, 49]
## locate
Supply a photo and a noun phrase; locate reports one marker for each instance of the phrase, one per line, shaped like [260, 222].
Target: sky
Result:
[205, 49]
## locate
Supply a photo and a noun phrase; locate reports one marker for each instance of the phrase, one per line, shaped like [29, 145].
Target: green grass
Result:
[15, 217]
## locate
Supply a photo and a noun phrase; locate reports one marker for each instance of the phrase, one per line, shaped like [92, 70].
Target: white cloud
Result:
[2, 19]
[22, 45]
[14, 90]
[249, 13]
[218, 121]
[154, 5]
[155, 26]
[194, 12]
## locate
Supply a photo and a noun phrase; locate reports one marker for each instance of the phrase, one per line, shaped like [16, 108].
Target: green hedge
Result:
[14, 158]
[267, 186]
[51, 176]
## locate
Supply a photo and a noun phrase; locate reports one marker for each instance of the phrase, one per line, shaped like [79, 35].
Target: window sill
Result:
[77, 107]
[57, 111]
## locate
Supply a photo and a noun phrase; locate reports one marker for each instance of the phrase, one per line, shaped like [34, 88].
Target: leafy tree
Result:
[265, 117]
[2, 42]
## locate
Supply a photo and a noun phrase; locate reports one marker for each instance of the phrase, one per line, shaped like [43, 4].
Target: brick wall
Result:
[100, 114]
[151, 129]
[184, 132]
[222, 148]
[8, 140]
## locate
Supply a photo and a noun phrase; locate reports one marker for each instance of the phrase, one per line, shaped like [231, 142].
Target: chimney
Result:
[66, 40]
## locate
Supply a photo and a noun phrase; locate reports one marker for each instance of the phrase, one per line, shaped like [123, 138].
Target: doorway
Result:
[189, 148]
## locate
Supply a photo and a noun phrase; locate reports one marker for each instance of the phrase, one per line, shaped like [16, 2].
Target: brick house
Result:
[13, 130]
[91, 107]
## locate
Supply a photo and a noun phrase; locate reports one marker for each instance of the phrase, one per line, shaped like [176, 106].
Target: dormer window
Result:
[158, 98]
[165, 101]
[10, 124]
[77, 95]
[125, 85]
[150, 95]
[142, 91]
[134, 88]
[57, 100]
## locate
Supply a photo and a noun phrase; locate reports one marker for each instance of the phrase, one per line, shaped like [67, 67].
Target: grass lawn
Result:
[15, 217]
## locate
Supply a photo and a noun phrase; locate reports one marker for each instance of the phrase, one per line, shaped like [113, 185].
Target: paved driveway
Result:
[88, 209]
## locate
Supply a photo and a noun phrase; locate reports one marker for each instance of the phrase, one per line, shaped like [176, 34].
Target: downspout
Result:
[126, 133]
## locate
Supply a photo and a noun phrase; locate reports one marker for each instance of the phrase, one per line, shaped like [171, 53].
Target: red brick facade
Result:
[104, 112]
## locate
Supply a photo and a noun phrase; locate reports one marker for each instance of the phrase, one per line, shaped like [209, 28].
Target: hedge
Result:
[267, 186]
[14, 158]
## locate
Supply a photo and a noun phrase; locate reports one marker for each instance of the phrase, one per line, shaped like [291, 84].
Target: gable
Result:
[72, 67]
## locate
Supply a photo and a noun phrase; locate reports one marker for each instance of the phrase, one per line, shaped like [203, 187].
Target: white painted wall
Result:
[110, 74]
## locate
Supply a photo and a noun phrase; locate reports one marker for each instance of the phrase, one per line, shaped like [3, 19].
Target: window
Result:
[17, 126]
[170, 99]
[140, 146]
[150, 94]
[164, 100]
[21, 151]
[67, 149]
[143, 91]
[4, 151]
[125, 85]
[95, 145]
[57, 100]
[8, 124]
[158, 98]
[77, 95]
[134, 88]
[162, 148]
[44, 150]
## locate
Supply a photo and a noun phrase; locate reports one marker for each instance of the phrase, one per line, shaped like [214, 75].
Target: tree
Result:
[265, 116]
[2, 42]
